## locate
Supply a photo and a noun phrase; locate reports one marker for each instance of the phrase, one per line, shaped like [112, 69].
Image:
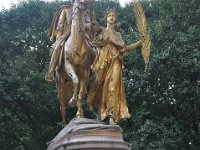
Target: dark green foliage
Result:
[26, 110]
[29, 107]
[164, 102]
[167, 97]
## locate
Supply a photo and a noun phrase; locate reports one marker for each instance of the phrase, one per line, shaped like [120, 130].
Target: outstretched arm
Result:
[132, 46]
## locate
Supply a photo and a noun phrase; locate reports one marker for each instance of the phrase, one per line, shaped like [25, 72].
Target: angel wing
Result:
[141, 25]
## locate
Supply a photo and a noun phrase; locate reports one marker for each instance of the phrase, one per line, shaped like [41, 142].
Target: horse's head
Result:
[82, 4]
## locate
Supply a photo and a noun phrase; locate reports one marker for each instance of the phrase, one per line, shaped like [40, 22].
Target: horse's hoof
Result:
[63, 125]
[91, 108]
[111, 121]
[72, 102]
[79, 116]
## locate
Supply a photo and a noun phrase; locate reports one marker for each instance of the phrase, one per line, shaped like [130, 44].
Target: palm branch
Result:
[141, 25]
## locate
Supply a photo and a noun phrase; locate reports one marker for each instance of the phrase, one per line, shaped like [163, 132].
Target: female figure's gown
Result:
[107, 93]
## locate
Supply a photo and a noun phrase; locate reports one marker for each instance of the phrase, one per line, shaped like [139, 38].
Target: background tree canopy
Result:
[164, 102]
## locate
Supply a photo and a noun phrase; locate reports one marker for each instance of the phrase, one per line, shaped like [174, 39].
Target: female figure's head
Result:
[111, 16]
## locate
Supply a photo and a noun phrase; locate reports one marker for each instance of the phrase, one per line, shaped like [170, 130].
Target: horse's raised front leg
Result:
[82, 88]
[72, 75]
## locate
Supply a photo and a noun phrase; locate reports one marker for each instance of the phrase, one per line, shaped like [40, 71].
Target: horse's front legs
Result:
[71, 73]
[61, 96]
[82, 88]
[62, 105]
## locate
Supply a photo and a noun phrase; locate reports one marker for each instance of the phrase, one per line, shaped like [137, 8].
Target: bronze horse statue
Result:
[76, 58]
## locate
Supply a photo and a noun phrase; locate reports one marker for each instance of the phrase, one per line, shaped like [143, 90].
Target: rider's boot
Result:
[50, 75]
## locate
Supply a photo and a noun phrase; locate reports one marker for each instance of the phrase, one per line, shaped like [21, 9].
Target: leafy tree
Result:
[29, 108]
[164, 102]
[169, 90]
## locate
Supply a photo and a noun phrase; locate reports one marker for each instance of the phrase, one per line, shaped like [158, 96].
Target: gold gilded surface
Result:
[141, 24]
[72, 55]
[58, 34]
[107, 93]
[79, 45]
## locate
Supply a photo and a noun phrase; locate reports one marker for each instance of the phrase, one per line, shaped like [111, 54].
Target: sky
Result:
[6, 3]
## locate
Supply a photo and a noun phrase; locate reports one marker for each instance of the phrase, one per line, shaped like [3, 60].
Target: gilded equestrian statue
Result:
[73, 69]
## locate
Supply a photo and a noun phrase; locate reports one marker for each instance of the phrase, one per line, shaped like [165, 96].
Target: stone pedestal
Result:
[89, 134]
